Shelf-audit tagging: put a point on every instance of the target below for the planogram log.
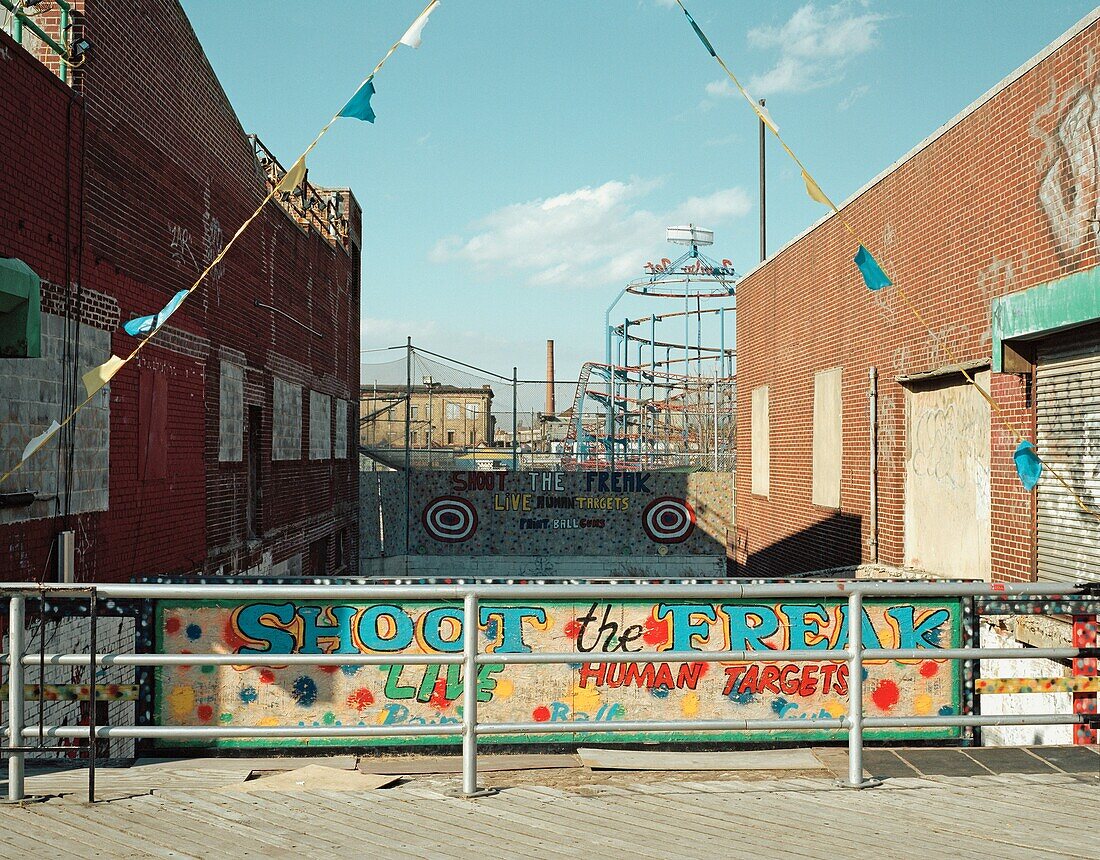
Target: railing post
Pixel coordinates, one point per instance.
(1085, 636)
(855, 695)
(16, 616)
(469, 699)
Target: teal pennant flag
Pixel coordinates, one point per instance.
(873, 276)
(700, 34)
(1028, 466)
(144, 325)
(358, 106)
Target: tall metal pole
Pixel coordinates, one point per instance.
(763, 197)
(428, 382)
(652, 381)
(872, 501)
(16, 611)
(408, 445)
(716, 412)
(626, 388)
(515, 426)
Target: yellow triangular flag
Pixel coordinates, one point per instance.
(293, 177)
(40, 440)
(815, 192)
(97, 377)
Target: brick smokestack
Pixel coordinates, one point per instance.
(550, 410)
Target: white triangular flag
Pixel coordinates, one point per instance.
(762, 112)
(97, 377)
(40, 440)
(412, 35)
(293, 177)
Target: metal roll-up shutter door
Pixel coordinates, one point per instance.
(1067, 389)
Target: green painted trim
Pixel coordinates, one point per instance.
(1069, 301)
(20, 310)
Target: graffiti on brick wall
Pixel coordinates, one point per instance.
(556, 513)
(589, 691)
(1069, 187)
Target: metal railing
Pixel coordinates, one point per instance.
(307, 204)
(22, 20)
(471, 657)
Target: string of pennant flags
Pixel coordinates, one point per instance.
(147, 327)
(1029, 463)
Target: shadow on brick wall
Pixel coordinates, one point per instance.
(832, 542)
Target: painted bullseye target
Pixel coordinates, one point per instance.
(450, 519)
(668, 520)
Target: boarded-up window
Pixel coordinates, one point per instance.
(947, 498)
(153, 423)
(828, 438)
(320, 426)
(761, 442)
(340, 437)
(286, 421)
(231, 413)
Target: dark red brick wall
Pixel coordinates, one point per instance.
(168, 176)
(956, 225)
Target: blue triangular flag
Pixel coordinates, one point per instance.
(699, 33)
(358, 106)
(873, 276)
(144, 325)
(1028, 466)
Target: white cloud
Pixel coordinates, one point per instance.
(588, 236)
(855, 95)
(814, 46)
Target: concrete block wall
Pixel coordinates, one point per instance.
(320, 424)
(984, 207)
(31, 389)
(231, 413)
(73, 636)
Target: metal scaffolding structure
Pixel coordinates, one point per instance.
(665, 395)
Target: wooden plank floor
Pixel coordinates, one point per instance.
(1003, 815)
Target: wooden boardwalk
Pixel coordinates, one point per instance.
(183, 814)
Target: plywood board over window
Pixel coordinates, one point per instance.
(761, 442)
(828, 437)
(947, 498)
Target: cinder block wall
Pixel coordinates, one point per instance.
(73, 636)
(957, 223)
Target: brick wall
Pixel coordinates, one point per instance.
(986, 207)
(123, 191)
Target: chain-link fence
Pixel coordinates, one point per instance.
(428, 411)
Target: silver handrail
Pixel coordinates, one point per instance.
(468, 727)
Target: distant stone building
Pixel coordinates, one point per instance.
(440, 416)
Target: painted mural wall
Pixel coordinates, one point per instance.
(546, 513)
(589, 691)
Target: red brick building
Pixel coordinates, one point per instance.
(990, 226)
(228, 444)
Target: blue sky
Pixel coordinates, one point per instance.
(528, 156)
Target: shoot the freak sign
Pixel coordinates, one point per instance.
(588, 693)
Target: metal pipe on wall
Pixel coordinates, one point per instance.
(872, 500)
